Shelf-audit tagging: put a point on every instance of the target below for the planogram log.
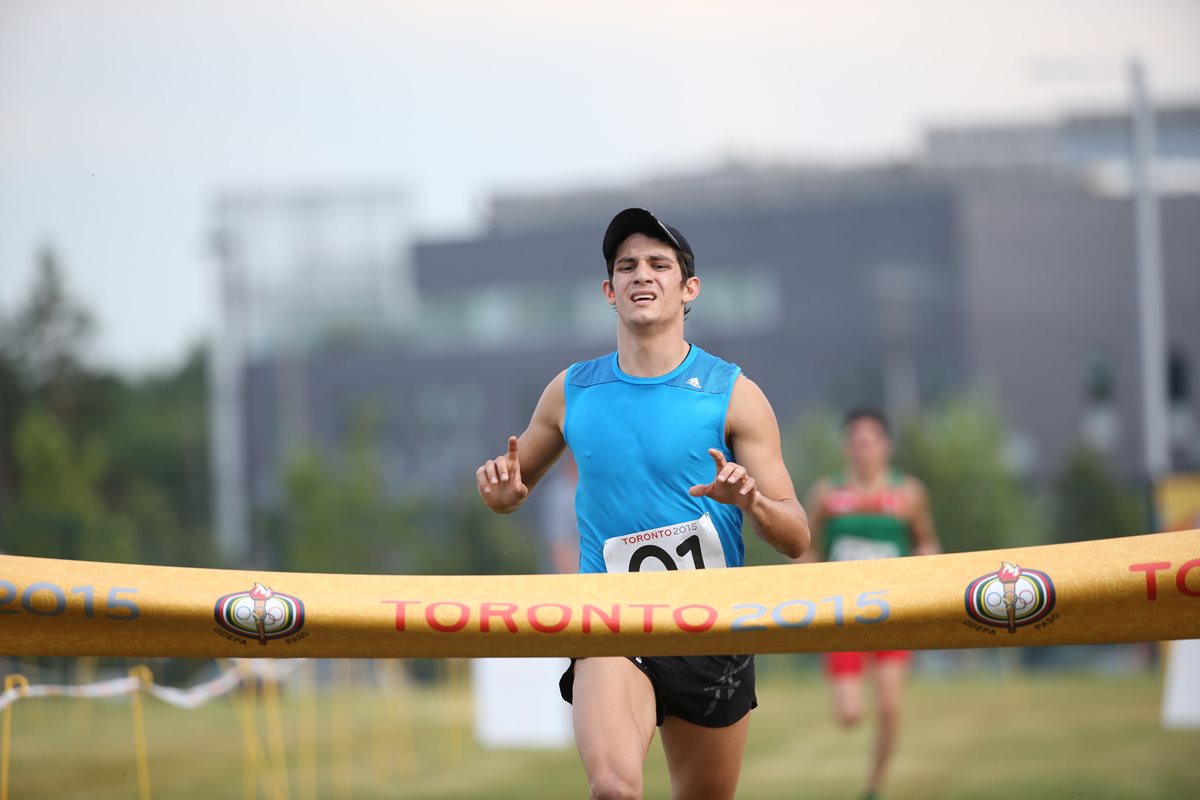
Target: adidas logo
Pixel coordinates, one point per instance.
(693, 382)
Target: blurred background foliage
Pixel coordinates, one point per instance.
(102, 466)
(977, 501)
(95, 465)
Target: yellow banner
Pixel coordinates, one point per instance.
(1141, 588)
(1178, 501)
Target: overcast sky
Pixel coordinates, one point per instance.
(122, 121)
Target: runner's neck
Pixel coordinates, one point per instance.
(868, 481)
(650, 357)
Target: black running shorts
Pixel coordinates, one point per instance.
(713, 691)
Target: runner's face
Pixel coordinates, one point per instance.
(868, 447)
(647, 283)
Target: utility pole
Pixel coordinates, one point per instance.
(226, 365)
(1151, 323)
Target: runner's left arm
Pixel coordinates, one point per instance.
(758, 481)
(924, 537)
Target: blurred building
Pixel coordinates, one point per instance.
(1001, 260)
(299, 272)
(1093, 148)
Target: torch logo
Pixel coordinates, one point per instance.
(261, 612)
(1010, 597)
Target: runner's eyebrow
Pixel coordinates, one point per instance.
(651, 257)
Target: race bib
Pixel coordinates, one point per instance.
(687, 545)
(852, 548)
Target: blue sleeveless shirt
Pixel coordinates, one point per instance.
(640, 444)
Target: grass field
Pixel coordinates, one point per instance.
(1007, 737)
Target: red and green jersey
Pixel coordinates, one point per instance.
(866, 525)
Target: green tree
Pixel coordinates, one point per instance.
(58, 510)
(812, 448)
(338, 516)
(12, 403)
(40, 345)
(977, 501)
(49, 335)
(469, 539)
(155, 432)
(1089, 501)
(87, 454)
(319, 534)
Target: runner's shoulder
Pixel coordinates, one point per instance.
(821, 489)
(913, 487)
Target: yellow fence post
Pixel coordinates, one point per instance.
(81, 712)
(404, 714)
(343, 737)
(460, 693)
(37, 711)
(275, 730)
(307, 749)
(253, 752)
(10, 682)
(381, 771)
(145, 680)
(249, 718)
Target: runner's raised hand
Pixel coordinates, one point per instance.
(499, 480)
(732, 484)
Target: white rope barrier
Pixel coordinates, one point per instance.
(189, 698)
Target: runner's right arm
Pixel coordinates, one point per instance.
(506, 480)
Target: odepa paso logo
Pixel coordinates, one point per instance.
(1011, 597)
(260, 613)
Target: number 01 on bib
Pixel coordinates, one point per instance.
(685, 545)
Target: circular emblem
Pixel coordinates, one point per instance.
(260, 613)
(1010, 597)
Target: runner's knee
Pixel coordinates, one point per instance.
(848, 717)
(889, 712)
(889, 706)
(609, 785)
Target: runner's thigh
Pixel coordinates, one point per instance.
(613, 714)
(704, 762)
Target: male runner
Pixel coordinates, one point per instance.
(665, 436)
(870, 511)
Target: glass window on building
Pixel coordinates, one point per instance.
(1100, 424)
(1183, 425)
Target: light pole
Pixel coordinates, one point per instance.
(1151, 322)
(1181, 698)
(226, 428)
(1152, 356)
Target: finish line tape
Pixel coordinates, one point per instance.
(1139, 588)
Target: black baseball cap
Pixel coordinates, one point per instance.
(639, 220)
